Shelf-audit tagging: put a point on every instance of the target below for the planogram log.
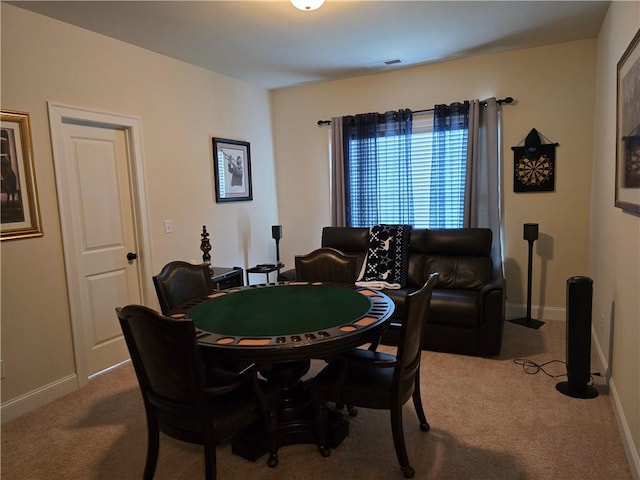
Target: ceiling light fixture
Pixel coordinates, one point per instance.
(307, 5)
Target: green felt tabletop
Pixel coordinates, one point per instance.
(280, 310)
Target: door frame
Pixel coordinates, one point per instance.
(58, 115)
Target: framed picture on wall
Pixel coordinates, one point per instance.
(20, 211)
(232, 170)
(628, 129)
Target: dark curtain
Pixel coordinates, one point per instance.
(450, 126)
(483, 195)
(377, 168)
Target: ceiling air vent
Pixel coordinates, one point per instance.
(395, 62)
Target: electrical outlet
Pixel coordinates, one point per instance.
(602, 322)
(168, 227)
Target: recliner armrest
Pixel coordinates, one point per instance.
(494, 284)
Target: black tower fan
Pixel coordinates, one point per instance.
(579, 296)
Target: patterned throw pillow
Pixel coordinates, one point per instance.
(387, 262)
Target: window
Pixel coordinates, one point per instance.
(392, 181)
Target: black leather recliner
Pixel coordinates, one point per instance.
(468, 304)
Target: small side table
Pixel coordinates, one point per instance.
(226, 277)
(264, 269)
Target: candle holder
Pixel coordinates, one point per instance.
(205, 246)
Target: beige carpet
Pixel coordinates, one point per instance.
(489, 420)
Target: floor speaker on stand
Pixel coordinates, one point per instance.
(530, 234)
(276, 233)
(579, 297)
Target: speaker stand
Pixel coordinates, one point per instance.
(528, 321)
(278, 262)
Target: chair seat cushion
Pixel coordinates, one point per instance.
(228, 411)
(363, 382)
(366, 355)
(454, 307)
(458, 308)
(239, 407)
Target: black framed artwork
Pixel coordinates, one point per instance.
(232, 170)
(627, 195)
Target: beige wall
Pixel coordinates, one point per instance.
(614, 257)
(553, 87)
(180, 107)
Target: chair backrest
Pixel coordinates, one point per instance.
(326, 265)
(165, 357)
(409, 350)
(461, 256)
(179, 282)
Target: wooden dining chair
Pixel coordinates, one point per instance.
(179, 282)
(183, 399)
(322, 265)
(326, 265)
(371, 379)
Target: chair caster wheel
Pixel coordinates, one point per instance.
(272, 462)
(353, 412)
(324, 451)
(408, 472)
(425, 427)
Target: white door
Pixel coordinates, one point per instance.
(102, 249)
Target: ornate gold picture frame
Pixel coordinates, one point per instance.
(20, 211)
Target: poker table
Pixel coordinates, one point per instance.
(281, 327)
(292, 321)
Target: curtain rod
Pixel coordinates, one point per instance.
(506, 100)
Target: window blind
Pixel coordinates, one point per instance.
(427, 193)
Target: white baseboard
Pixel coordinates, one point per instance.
(514, 310)
(623, 425)
(38, 397)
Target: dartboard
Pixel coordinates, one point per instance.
(534, 171)
(534, 168)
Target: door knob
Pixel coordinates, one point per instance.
(131, 256)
